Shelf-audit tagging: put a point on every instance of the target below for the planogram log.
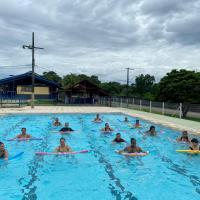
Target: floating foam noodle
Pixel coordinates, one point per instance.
(23, 139)
(59, 153)
(14, 157)
(133, 154)
(188, 151)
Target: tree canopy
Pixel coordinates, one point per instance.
(180, 86)
(52, 76)
(177, 86)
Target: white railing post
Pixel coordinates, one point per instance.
(140, 104)
(163, 108)
(180, 110)
(121, 102)
(150, 106)
(127, 102)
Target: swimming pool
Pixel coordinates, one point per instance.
(100, 174)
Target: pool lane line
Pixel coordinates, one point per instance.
(180, 170)
(109, 170)
(35, 163)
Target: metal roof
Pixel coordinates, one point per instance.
(25, 75)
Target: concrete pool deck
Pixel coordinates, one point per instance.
(174, 123)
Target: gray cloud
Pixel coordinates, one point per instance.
(101, 37)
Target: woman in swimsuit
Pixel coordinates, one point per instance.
(107, 128)
(3, 152)
(63, 147)
(151, 131)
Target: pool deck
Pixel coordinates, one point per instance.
(174, 123)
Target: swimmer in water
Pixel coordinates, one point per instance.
(184, 137)
(3, 152)
(107, 128)
(97, 119)
(133, 148)
(63, 147)
(151, 131)
(23, 134)
(194, 145)
(126, 119)
(137, 124)
(118, 139)
(66, 128)
(56, 122)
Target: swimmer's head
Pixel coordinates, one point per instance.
(66, 124)
(57, 120)
(184, 133)
(137, 121)
(118, 135)
(62, 141)
(97, 115)
(133, 142)
(195, 141)
(23, 130)
(152, 129)
(106, 125)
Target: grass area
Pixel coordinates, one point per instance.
(169, 115)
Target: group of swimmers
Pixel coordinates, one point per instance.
(132, 148)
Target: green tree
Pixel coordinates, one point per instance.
(69, 80)
(113, 88)
(52, 76)
(181, 86)
(144, 84)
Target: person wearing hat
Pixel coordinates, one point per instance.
(194, 144)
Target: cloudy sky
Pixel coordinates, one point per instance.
(100, 37)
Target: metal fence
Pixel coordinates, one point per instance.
(164, 108)
(6, 102)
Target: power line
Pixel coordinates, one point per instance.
(15, 66)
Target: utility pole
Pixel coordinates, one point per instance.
(127, 85)
(32, 47)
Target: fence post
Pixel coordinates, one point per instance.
(180, 110)
(150, 106)
(120, 101)
(133, 101)
(163, 108)
(127, 102)
(140, 104)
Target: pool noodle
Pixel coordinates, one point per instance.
(59, 153)
(188, 151)
(133, 154)
(23, 139)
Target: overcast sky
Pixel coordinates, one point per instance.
(100, 37)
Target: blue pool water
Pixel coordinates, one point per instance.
(100, 174)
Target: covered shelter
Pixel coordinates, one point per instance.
(21, 86)
(82, 92)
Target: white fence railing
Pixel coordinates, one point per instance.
(164, 108)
